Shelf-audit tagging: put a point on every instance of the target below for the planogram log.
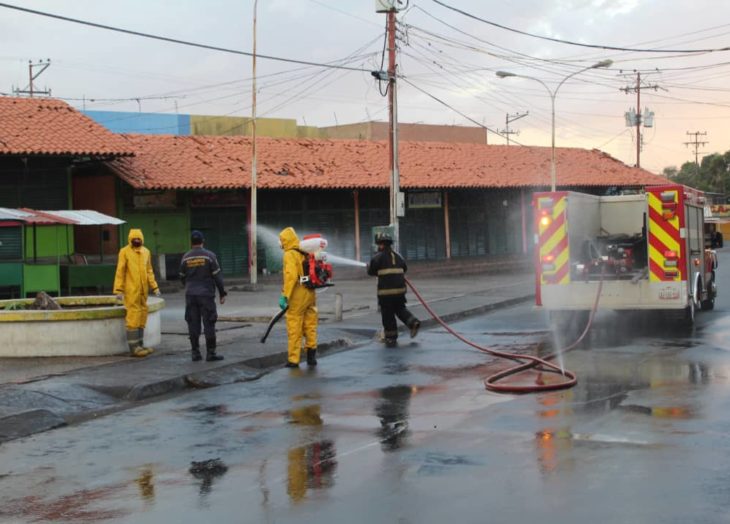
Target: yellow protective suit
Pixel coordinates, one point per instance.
(134, 279)
(301, 317)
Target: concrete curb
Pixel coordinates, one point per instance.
(229, 373)
(156, 388)
(28, 423)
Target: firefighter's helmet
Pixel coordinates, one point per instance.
(383, 237)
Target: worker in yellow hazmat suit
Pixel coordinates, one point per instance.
(133, 281)
(301, 317)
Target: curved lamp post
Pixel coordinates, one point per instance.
(553, 94)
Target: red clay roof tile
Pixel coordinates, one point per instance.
(46, 126)
(218, 162)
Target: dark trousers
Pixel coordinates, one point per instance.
(199, 308)
(391, 307)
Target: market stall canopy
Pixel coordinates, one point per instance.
(15, 214)
(84, 217)
(67, 217)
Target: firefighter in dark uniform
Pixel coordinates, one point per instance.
(201, 275)
(390, 268)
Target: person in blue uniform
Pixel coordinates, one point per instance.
(200, 273)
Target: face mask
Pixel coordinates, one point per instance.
(136, 242)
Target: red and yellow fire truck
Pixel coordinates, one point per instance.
(647, 250)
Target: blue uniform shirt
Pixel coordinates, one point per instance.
(201, 273)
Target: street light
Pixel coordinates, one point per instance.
(553, 94)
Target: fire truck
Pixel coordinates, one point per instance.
(647, 251)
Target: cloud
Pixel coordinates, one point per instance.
(599, 8)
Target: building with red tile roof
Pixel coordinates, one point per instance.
(46, 126)
(221, 162)
(462, 199)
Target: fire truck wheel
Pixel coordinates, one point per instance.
(708, 305)
(689, 314)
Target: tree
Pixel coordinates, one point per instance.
(712, 176)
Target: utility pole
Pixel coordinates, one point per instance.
(511, 118)
(393, 133)
(252, 245)
(32, 75)
(696, 143)
(390, 7)
(638, 120)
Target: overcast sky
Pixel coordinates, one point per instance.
(441, 52)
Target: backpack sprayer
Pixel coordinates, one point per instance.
(316, 271)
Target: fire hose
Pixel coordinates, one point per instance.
(525, 362)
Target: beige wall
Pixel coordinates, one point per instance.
(235, 125)
(409, 132)
(288, 128)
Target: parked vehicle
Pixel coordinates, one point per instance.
(647, 249)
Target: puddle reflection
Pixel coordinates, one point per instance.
(207, 471)
(392, 408)
(554, 449)
(313, 465)
(146, 483)
(669, 412)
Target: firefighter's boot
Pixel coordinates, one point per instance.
(210, 350)
(311, 357)
(415, 325)
(195, 349)
(147, 351)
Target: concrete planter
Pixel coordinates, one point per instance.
(93, 327)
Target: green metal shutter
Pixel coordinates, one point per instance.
(11, 243)
(225, 235)
(422, 235)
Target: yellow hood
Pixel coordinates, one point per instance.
(289, 239)
(135, 233)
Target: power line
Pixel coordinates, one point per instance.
(454, 28)
(343, 12)
(579, 44)
(174, 40)
(446, 104)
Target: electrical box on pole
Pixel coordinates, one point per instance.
(648, 118)
(385, 6)
(630, 117)
(400, 204)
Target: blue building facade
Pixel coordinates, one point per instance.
(143, 123)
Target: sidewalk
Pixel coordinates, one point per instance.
(43, 393)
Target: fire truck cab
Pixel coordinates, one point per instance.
(648, 250)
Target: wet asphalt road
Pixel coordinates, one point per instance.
(409, 435)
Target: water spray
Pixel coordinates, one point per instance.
(525, 362)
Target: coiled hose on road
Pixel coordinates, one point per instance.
(525, 362)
